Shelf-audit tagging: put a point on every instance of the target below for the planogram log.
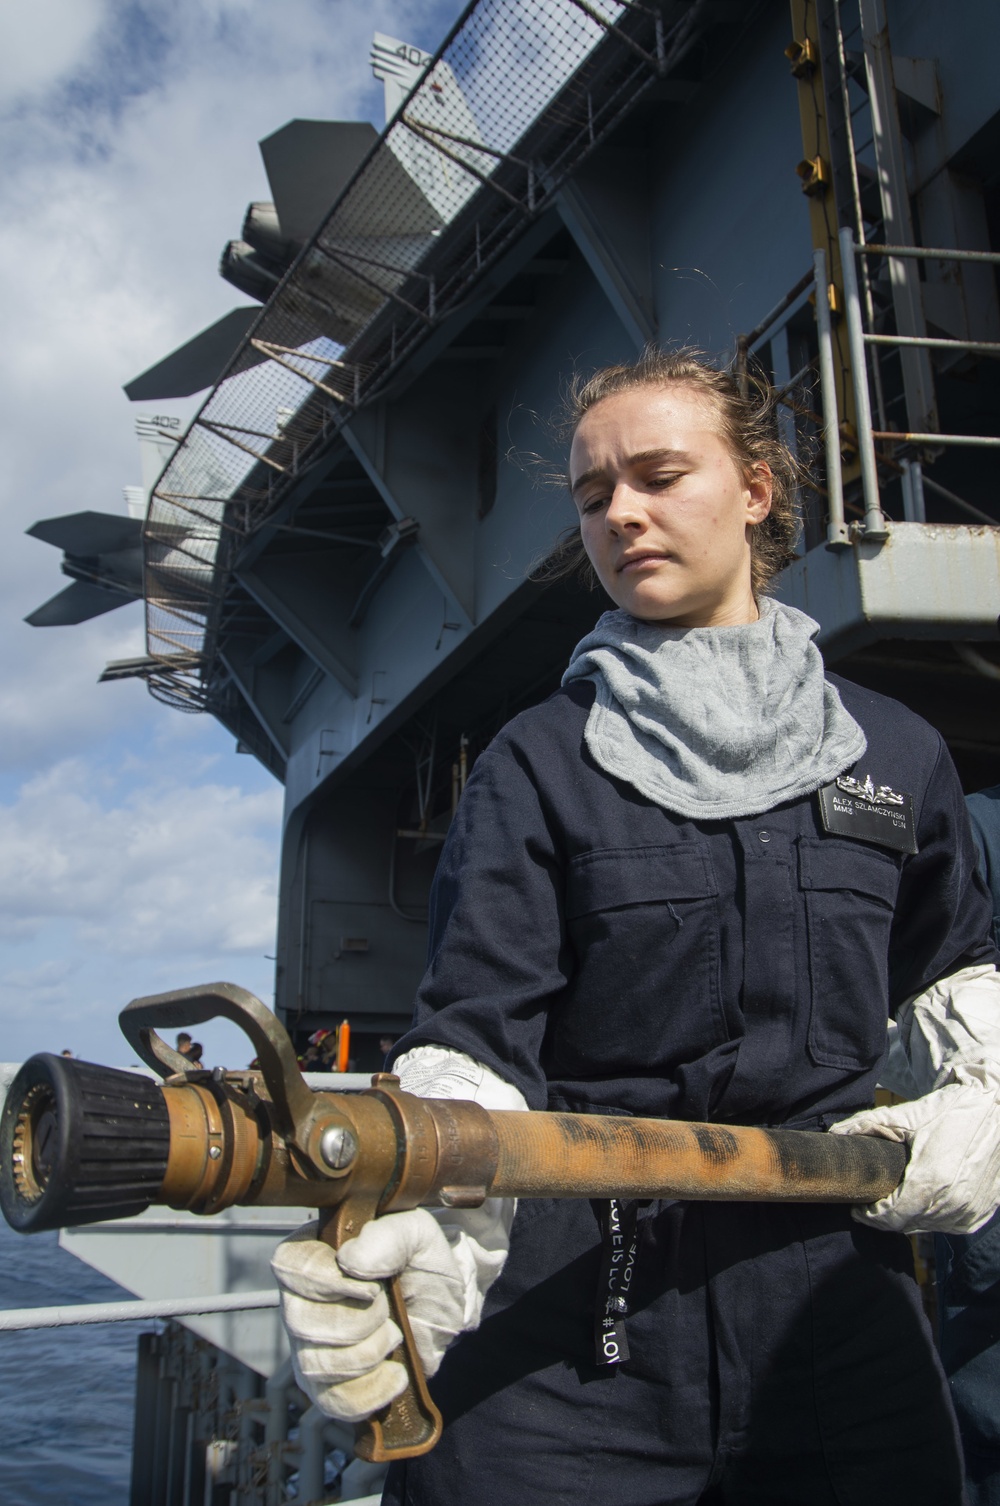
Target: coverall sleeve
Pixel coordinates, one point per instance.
(498, 953)
(984, 815)
(943, 919)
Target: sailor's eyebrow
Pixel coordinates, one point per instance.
(641, 457)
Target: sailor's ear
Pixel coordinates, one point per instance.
(760, 488)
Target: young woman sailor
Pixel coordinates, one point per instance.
(695, 883)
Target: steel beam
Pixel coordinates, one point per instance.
(421, 454)
(319, 478)
(252, 684)
(604, 208)
(313, 617)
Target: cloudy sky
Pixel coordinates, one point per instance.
(137, 851)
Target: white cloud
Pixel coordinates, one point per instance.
(50, 702)
(174, 866)
(44, 979)
(41, 41)
(129, 881)
(137, 853)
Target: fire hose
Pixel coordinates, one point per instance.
(81, 1143)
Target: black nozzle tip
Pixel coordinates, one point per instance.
(79, 1144)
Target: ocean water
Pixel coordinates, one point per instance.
(66, 1394)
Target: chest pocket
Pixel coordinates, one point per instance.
(617, 877)
(850, 893)
(643, 925)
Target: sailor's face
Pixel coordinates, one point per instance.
(665, 512)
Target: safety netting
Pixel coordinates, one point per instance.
(509, 106)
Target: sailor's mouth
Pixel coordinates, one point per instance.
(638, 562)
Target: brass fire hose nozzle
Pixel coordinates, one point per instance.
(80, 1143)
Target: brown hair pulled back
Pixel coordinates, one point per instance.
(747, 426)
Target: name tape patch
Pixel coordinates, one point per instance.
(868, 811)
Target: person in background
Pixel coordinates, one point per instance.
(193, 1054)
(315, 1058)
(385, 1044)
(184, 1043)
(968, 1265)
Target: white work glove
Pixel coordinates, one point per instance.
(334, 1306)
(337, 1313)
(950, 1035)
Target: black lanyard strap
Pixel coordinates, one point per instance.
(618, 1234)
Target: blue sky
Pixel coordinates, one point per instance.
(138, 852)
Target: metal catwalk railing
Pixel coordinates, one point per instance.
(207, 1428)
(868, 265)
(861, 340)
(830, 420)
(511, 104)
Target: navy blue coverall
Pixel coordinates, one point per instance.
(607, 956)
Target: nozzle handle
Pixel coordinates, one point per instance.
(292, 1098)
(411, 1425)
